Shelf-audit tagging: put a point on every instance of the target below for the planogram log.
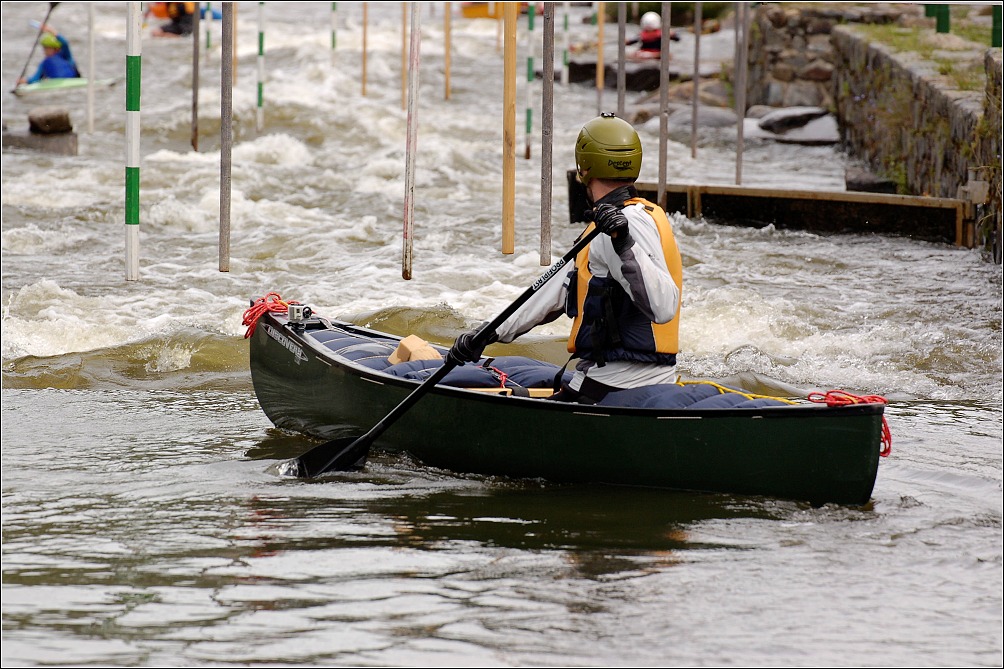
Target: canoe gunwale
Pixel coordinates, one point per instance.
(809, 410)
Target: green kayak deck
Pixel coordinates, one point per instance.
(55, 85)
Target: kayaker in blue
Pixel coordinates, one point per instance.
(58, 62)
(623, 294)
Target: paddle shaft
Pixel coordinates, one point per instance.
(41, 29)
(347, 456)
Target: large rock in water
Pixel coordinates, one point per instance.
(679, 123)
(49, 121)
(49, 130)
(782, 120)
(817, 132)
(707, 117)
(862, 180)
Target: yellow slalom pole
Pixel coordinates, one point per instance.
(509, 130)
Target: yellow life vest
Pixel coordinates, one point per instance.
(665, 335)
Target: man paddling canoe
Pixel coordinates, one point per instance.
(623, 293)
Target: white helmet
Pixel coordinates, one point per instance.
(651, 21)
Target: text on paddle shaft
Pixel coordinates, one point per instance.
(548, 274)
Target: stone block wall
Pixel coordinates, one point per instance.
(912, 124)
(791, 57)
(895, 110)
(987, 150)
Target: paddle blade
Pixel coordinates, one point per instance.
(345, 454)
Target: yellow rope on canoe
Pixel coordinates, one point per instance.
(723, 389)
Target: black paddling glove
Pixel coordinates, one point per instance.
(611, 221)
(470, 345)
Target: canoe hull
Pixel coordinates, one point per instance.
(813, 453)
(56, 85)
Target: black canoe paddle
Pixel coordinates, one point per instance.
(351, 452)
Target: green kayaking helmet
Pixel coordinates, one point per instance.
(50, 41)
(607, 148)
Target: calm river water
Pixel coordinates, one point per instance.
(142, 524)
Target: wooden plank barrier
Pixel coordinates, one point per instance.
(935, 219)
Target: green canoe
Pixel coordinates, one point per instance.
(54, 85)
(333, 380)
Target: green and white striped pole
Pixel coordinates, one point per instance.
(260, 116)
(531, 46)
(91, 76)
(334, 30)
(565, 59)
(134, 46)
(209, 29)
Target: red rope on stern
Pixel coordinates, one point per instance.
(271, 302)
(834, 398)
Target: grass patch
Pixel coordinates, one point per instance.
(964, 75)
(977, 33)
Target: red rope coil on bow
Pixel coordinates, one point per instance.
(834, 398)
(271, 302)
